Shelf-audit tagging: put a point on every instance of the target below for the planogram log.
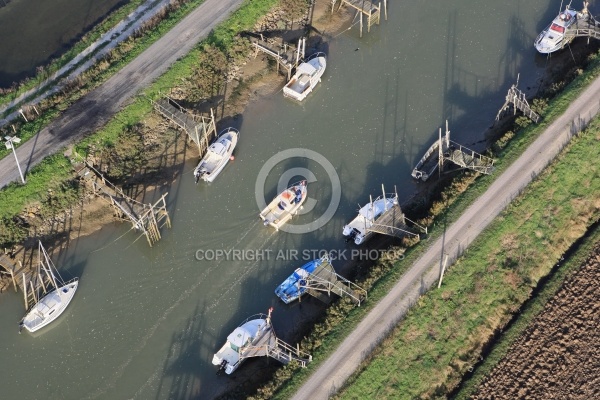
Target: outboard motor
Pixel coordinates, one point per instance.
(222, 366)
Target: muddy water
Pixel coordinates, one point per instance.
(146, 321)
(34, 32)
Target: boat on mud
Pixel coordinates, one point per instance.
(241, 342)
(359, 228)
(285, 205)
(295, 285)
(217, 156)
(307, 76)
(57, 296)
(554, 37)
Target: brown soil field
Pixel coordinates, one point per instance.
(558, 356)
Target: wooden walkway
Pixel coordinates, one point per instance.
(271, 346)
(200, 132)
(324, 279)
(392, 223)
(587, 27)
(371, 10)
(147, 218)
(286, 56)
(444, 150)
(517, 99)
(28, 279)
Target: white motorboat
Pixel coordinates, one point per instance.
(217, 156)
(555, 37)
(306, 77)
(241, 341)
(56, 299)
(285, 205)
(358, 228)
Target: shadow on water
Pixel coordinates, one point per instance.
(179, 376)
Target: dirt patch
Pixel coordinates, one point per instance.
(558, 356)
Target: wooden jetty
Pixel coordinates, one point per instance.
(146, 218)
(392, 222)
(585, 26)
(368, 9)
(271, 346)
(444, 150)
(28, 279)
(286, 56)
(200, 130)
(324, 279)
(517, 99)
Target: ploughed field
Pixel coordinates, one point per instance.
(558, 356)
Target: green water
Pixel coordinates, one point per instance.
(145, 322)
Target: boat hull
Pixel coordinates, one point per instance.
(50, 307)
(293, 287)
(207, 169)
(553, 37)
(358, 229)
(284, 206)
(306, 78)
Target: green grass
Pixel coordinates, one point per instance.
(442, 337)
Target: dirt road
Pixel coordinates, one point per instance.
(334, 371)
(95, 109)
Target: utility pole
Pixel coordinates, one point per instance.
(9, 145)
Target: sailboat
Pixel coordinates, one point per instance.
(56, 299)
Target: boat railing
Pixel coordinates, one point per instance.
(315, 55)
(255, 316)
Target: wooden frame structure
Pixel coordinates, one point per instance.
(367, 8)
(287, 57)
(201, 132)
(519, 102)
(324, 279)
(147, 218)
(443, 150)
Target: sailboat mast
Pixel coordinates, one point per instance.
(48, 269)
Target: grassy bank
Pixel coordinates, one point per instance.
(115, 60)
(54, 171)
(442, 337)
(529, 312)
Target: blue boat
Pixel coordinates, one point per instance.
(294, 286)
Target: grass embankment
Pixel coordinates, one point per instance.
(54, 172)
(442, 337)
(44, 72)
(114, 61)
(530, 312)
(453, 199)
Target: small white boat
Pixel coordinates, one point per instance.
(284, 206)
(554, 37)
(241, 341)
(217, 156)
(54, 302)
(307, 75)
(358, 228)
